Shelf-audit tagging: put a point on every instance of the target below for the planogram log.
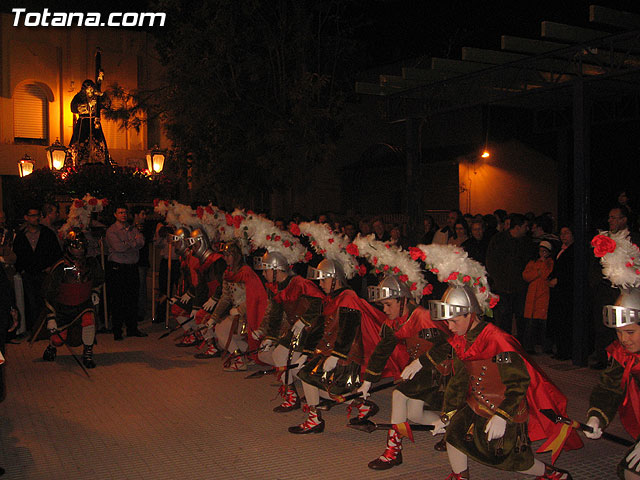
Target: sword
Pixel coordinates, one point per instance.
(369, 427)
(250, 352)
(329, 404)
(76, 359)
(261, 373)
(177, 327)
(557, 418)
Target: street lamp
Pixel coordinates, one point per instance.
(56, 155)
(26, 166)
(155, 160)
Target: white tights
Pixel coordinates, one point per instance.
(404, 408)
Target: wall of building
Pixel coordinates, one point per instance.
(59, 60)
(515, 178)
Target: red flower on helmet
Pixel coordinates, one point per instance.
(268, 237)
(602, 245)
(294, 229)
(93, 201)
(494, 301)
(156, 202)
(388, 245)
(362, 270)
(428, 290)
(237, 220)
(78, 203)
(286, 243)
(483, 289)
(434, 270)
(417, 254)
(308, 256)
(453, 276)
(209, 210)
(200, 212)
(629, 264)
(331, 240)
(352, 249)
(375, 260)
(229, 219)
(385, 268)
(396, 270)
(414, 286)
(403, 278)
(466, 278)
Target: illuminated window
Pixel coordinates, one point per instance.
(30, 114)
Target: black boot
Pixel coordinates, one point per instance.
(87, 357)
(49, 354)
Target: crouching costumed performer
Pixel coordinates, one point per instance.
(492, 403)
(71, 292)
(408, 327)
(350, 332)
(294, 314)
(618, 387)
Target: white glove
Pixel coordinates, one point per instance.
(633, 459)
(330, 363)
(173, 300)
(256, 335)
(193, 313)
(495, 427)
(410, 370)
(52, 326)
(438, 427)
(209, 304)
(266, 345)
(593, 422)
(210, 322)
(297, 328)
(95, 299)
(234, 312)
(185, 298)
(364, 389)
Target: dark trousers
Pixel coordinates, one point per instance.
(122, 293)
(33, 299)
(163, 274)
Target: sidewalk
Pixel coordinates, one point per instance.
(152, 411)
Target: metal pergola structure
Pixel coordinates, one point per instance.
(572, 78)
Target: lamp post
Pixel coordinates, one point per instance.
(26, 166)
(56, 155)
(155, 160)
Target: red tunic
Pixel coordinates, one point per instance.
(629, 410)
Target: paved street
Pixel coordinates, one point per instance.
(152, 411)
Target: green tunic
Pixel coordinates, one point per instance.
(466, 432)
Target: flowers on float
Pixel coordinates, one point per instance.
(619, 257)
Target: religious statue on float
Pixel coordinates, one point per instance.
(88, 144)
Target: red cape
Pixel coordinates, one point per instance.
(298, 286)
(542, 393)
(202, 268)
(370, 324)
(256, 298)
(629, 410)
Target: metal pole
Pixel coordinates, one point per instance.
(107, 323)
(166, 318)
(153, 282)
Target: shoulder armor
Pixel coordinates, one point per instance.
(504, 357)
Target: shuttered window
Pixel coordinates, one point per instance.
(30, 114)
(113, 134)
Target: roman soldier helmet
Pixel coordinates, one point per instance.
(389, 287)
(75, 243)
(468, 290)
(199, 244)
(180, 239)
(271, 261)
(457, 300)
(621, 266)
(327, 268)
(625, 311)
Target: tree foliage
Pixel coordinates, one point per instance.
(253, 90)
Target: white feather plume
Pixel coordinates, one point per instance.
(330, 245)
(452, 264)
(263, 233)
(392, 260)
(80, 213)
(622, 266)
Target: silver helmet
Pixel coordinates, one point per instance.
(75, 244)
(457, 300)
(199, 244)
(326, 269)
(271, 261)
(389, 287)
(625, 311)
(181, 240)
